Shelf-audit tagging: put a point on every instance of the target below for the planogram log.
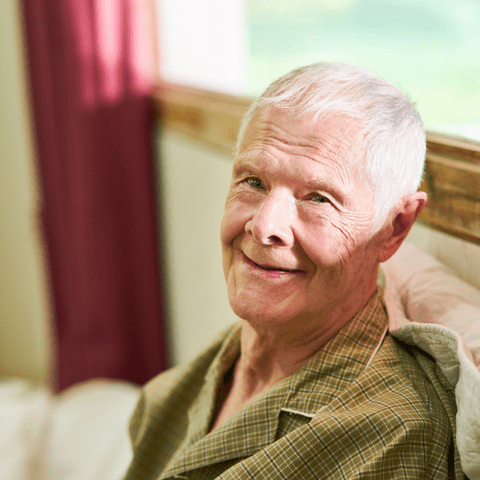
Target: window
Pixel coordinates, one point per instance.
(203, 43)
(428, 47)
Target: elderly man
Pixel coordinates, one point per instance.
(309, 384)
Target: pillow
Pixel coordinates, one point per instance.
(88, 436)
(23, 416)
(431, 293)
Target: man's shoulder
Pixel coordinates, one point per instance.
(412, 374)
(391, 411)
(160, 413)
(402, 389)
(420, 369)
(407, 390)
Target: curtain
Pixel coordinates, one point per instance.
(92, 69)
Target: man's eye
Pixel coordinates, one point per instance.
(255, 182)
(317, 198)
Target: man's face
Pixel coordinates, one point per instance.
(296, 232)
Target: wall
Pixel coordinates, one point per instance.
(24, 340)
(194, 182)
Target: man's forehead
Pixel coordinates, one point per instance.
(304, 123)
(338, 132)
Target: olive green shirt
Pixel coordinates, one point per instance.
(365, 406)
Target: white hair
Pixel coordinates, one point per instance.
(394, 133)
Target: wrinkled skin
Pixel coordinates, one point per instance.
(297, 230)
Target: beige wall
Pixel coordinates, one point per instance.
(194, 183)
(24, 349)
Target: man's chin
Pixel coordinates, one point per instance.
(264, 312)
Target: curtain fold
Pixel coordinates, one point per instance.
(92, 69)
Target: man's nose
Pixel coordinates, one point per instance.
(271, 223)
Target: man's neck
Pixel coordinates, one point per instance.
(270, 354)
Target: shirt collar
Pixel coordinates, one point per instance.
(304, 393)
(202, 410)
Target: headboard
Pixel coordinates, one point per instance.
(452, 171)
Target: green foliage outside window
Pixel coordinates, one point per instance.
(431, 48)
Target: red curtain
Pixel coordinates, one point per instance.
(92, 65)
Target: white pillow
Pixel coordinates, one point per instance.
(88, 432)
(23, 416)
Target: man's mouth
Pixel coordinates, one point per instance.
(270, 267)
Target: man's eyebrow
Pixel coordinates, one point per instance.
(243, 163)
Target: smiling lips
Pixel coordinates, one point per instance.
(270, 268)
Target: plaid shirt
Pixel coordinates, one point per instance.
(343, 415)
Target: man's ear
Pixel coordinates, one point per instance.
(404, 217)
